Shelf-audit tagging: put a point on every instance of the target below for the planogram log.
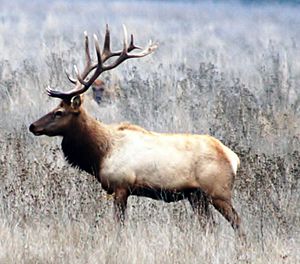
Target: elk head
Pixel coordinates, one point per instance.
(64, 118)
(60, 120)
(98, 88)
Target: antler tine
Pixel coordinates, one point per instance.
(87, 48)
(106, 46)
(131, 45)
(88, 66)
(98, 52)
(107, 53)
(57, 94)
(87, 56)
(79, 78)
(71, 79)
(125, 44)
(98, 71)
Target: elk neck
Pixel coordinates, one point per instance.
(86, 143)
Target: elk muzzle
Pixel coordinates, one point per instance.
(44, 126)
(34, 129)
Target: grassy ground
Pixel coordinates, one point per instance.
(225, 69)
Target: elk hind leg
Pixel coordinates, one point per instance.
(120, 204)
(200, 205)
(226, 209)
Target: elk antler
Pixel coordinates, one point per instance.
(81, 84)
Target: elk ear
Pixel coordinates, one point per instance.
(76, 102)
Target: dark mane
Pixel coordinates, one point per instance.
(86, 146)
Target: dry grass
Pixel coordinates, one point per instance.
(228, 70)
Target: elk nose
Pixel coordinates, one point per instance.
(31, 128)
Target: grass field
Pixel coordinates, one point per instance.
(229, 70)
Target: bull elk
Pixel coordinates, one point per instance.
(130, 160)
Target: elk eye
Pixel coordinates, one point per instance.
(58, 113)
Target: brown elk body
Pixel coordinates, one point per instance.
(129, 160)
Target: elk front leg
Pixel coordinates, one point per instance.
(120, 204)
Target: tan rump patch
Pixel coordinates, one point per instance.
(226, 154)
(219, 148)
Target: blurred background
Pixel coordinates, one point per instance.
(226, 68)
